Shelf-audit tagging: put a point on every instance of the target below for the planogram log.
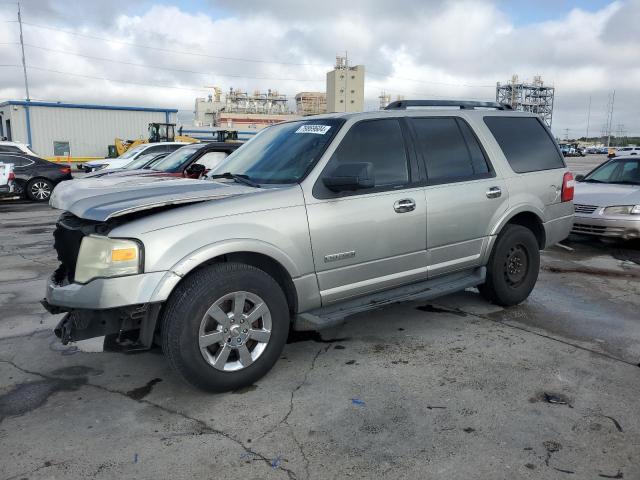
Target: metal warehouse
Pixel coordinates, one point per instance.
(76, 131)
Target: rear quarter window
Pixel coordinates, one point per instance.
(526, 143)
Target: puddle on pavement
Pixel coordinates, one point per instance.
(76, 371)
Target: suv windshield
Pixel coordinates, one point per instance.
(175, 160)
(282, 153)
(616, 171)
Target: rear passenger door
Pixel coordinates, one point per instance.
(464, 195)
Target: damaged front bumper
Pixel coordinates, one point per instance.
(121, 307)
(132, 327)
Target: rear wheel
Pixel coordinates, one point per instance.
(225, 326)
(39, 189)
(513, 267)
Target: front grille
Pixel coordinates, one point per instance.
(67, 237)
(582, 228)
(597, 230)
(588, 209)
(67, 242)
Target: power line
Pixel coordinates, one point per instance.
(31, 67)
(377, 74)
(168, 50)
(124, 62)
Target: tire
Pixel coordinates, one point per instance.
(203, 308)
(39, 190)
(513, 267)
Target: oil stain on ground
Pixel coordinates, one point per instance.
(311, 336)
(31, 395)
(141, 392)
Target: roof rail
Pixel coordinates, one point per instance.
(462, 104)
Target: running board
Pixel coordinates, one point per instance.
(335, 314)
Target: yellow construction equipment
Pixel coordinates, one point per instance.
(158, 132)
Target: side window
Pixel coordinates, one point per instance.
(450, 149)
(212, 159)
(18, 162)
(526, 143)
(380, 143)
(9, 149)
(156, 149)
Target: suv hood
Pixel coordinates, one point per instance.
(606, 194)
(103, 198)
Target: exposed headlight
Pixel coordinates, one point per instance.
(107, 257)
(622, 210)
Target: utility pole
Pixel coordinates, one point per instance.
(588, 118)
(610, 113)
(24, 64)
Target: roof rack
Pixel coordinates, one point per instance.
(463, 105)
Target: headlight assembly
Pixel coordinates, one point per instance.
(107, 257)
(622, 210)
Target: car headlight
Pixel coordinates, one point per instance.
(107, 257)
(623, 210)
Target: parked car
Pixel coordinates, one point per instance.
(607, 200)
(130, 155)
(15, 147)
(311, 221)
(141, 164)
(7, 178)
(194, 160)
(35, 177)
(623, 151)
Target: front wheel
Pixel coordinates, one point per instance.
(513, 267)
(225, 326)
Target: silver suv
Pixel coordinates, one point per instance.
(310, 222)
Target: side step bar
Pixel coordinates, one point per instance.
(335, 314)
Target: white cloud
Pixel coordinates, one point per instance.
(455, 49)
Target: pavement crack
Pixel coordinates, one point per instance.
(203, 426)
(31, 472)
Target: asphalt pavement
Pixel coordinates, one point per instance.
(453, 388)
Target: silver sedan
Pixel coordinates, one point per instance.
(607, 200)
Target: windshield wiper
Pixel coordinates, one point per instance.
(236, 177)
(591, 180)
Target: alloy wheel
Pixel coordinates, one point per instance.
(40, 190)
(235, 331)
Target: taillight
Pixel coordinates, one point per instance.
(65, 170)
(12, 176)
(567, 187)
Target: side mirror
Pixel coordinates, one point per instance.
(195, 170)
(579, 178)
(350, 176)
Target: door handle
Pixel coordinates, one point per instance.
(494, 192)
(403, 206)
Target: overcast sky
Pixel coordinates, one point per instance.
(98, 51)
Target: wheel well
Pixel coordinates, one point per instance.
(531, 221)
(266, 264)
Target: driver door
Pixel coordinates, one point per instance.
(372, 239)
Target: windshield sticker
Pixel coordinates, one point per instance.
(317, 129)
